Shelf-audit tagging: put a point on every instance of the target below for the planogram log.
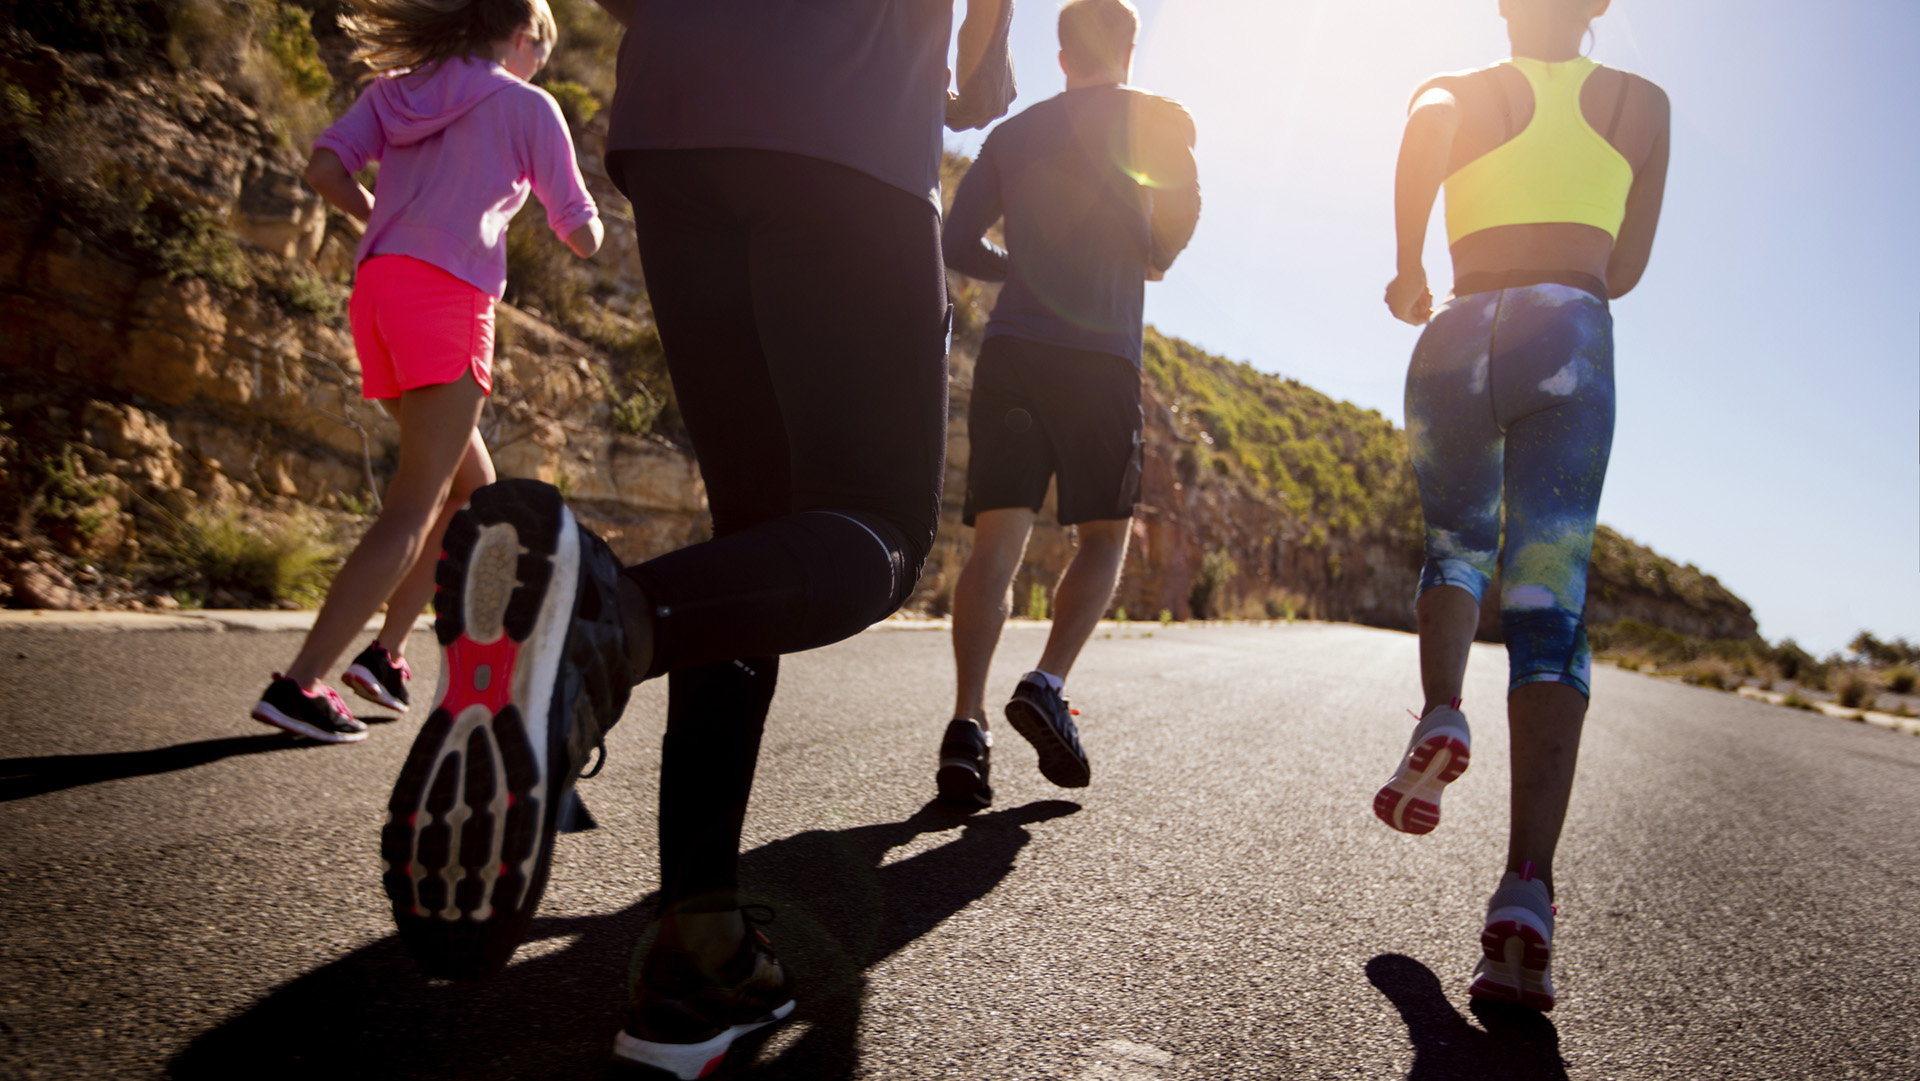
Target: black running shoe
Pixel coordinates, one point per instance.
(1039, 713)
(682, 1025)
(534, 674)
(376, 677)
(320, 715)
(966, 764)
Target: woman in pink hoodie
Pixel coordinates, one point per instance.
(462, 138)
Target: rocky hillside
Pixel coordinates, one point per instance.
(171, 328)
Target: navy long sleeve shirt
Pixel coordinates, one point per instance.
(1096, 186)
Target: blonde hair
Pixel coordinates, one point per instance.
(1096, 34)
(392, 34)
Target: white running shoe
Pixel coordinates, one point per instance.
(1517, 943)
(1436, 756)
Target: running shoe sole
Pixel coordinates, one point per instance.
(1058, 763)
(1515, 964)
(468, 840)
(1410, 802)
(368, 687)
(266, 714)
(687, 1061)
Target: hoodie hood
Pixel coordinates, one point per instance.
(415, 106)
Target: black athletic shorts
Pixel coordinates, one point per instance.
(1038, 410)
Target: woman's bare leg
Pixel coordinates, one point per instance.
(436, 428)
(416, 589)
(1544, 721)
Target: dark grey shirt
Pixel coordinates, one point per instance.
(862, 83)
(1095, 186)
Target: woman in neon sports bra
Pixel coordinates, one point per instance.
(1554, 168)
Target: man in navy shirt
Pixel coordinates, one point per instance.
(1098, 192)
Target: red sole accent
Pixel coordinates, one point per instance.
(466, 655)
(1420, 816)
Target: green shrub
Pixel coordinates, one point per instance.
(83, 25)
(285, 559)
(1713, 674)
(70, 504)
(1282, 606)
(1120, 614)
(1854, 692)
(1037, 601)
(1208, 597)
(1900, 680)
(577, 103)
(289, 41)
(190, 244)
(635, 410)
(1166, 617)
(1796, 702)
(304, 292)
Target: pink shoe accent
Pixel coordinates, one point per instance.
(1425, 767)
(498, 657)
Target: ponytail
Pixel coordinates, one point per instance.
(390, 34)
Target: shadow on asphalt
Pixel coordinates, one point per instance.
(1516, 1044)
(21, 778)
(841, 909)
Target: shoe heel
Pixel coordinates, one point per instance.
(1516, 968)
(1057, 762)
(959, 782)
(1410, 802)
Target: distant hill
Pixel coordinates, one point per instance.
(171, 301)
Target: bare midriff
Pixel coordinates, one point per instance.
(1549, 246)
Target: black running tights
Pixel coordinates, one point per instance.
(803, 309)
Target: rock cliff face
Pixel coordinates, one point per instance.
(166, 387)
(172, 338)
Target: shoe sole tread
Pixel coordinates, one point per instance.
(1410, 801)
(468, 842)
(1058, 762)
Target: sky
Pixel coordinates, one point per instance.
(1768, 365)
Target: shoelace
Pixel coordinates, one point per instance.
(398, 664)
(331, 695)
(339, 704)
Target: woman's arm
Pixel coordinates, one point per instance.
(1424, 151)
(328, 176)
(1634, 245)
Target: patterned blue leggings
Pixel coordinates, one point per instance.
(1510, 400)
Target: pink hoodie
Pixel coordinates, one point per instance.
(459, 149)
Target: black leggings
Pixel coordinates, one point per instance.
(803, 308)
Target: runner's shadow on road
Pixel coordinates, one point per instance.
(842, 908)
(1516, 1044)
(21, 778)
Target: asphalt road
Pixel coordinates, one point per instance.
(185, 893)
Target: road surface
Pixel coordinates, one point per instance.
(185, 893)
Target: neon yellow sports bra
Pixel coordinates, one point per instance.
(1558, 169)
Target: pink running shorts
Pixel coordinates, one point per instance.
(415, 325)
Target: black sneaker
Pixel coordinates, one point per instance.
(320, 715)
(534, 674)
(1039, 713)
(966, 763)
(374, 676)
(682, 1025)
